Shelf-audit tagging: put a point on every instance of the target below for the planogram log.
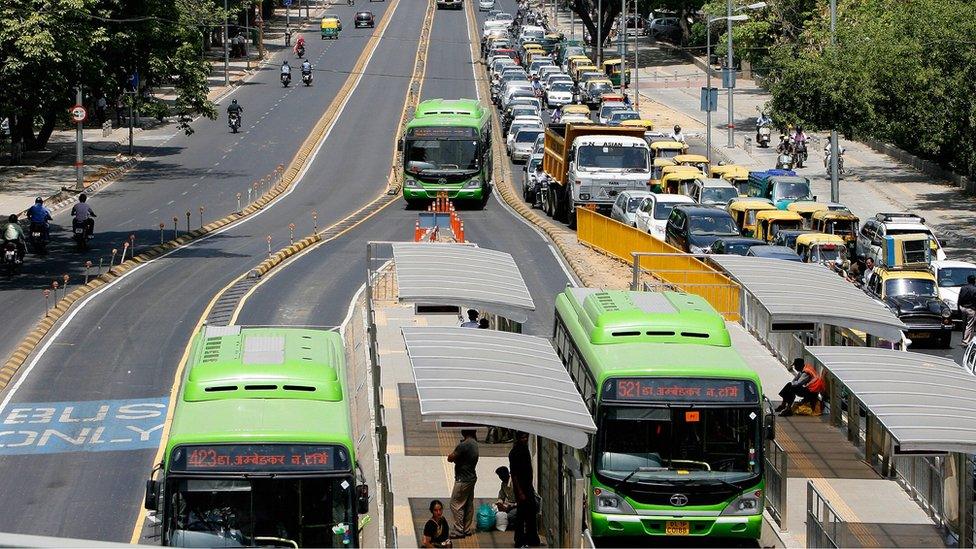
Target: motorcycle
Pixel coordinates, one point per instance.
(800, 153)
(300, 51)
(38, 238)
(307, 78)
(80, 233)
(840, 161)
(763, 134)
(234, 121)
(784, 161)
(285, 79)
(10, 259)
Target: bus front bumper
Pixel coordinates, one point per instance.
(454, 193)
(746, 527)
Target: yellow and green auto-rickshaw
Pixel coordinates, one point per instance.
(581, 68)
(806, 209)
(696, 160)
(613, 69)
(657, 172)
(668, 149)
(679, 181)
(574, 108)
(821, 248)
(575, 60)
(648, 126)
(733, 173)
(769, 222)
(744, 210)
(838, 222)
(330, 27)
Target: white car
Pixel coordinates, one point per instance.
(709, 191)
(485, 5)
(545, 71)
(626, 205)
(873, 231)
(950, 276)
(609, 108)
(559, 94)
(652, 215)
(551, 79)
(514, 130)
(523, 142)
(516, 89)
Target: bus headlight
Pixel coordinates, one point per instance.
(472, 183)
(609, 503)
(748, 503)
(411, 184)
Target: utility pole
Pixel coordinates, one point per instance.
(247, 30)
(731, 73)
(708, 87)
(622, 31)
(636, 65)
(226, 53)
(79, 146)
(599, 33)
(259, 23)
(834, 146)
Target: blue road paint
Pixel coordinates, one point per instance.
(92, 426)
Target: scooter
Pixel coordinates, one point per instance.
(234, 121)
(285, 79)
(763, 134)
(10, 259)
(38, 238)
(80, 234)
(800, 153)
(784, 161)
(300, 51)
(307, 78)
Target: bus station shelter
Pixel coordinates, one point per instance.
(914, 417)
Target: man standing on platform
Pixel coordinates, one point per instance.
(465, 459)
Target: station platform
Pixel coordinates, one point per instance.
(876, 512)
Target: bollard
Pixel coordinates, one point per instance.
(239, 203)
(188, 221)
(269, 245)
(460, 235)
(291, 233)
(64, 290)
(125, 248)
(54, 286)
(47, 302)
(201, 217)
(132, 245)
(417, 233)
(88, 265)
(315, 221)
(99, 273)
(248, 195)
(161, 227)
(176, 230)
(112, 263)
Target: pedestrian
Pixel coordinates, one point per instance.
(868, 270)
(520, 465)
(505, 503)
(465, 459)
(967, 306)
(287, 36)
(484, 324)
(436, 530)
(472, 321)
(807, 383)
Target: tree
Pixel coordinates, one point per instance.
(589, 17)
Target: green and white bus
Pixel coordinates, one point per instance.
(260, 450)
(680, 417)
(447, 148)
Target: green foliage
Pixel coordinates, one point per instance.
(50, 47)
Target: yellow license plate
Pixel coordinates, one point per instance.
(677, 528)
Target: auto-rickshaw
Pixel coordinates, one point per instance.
(550, 42)
(744, 210)
(657, 172)
(581, 68)
(613, 69)
(575, 60)
(648, 126)
(679, 181)
(838, 222)
(611, 98)
(821, 248)
(696, 160)
(734, 174)
(668, 149)
(768, 222)
(575, 109)
(330, 27)
(529, 52)
(806, 209)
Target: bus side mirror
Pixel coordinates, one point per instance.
(151, 502)
(362, 499)
(770, 421)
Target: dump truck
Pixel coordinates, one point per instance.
(588, 166)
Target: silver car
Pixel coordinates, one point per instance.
(524, 141)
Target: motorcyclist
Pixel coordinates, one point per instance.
(286, 68)
(784, 146)
(536, 86)
(557, 115)
(676, 134)
(840, 153)
(13, 232)
(763, 120)
(235, 108)
(306, 67)
(799, 138)
(83, 214)
(39, 217)
(300, 44)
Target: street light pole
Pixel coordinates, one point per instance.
(708, 88)
(834, 146)
(226, 53)
(622, 31)
(731, 73)
(599, 33)
(636, 65)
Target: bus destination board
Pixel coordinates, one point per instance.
(659, 389)
(442, 132)
(289, 458)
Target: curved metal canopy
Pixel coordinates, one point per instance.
(927, 403)
(496, 378)
(433, 273)
(805, 292)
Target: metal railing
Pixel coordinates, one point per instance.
(824, 525)
(777, 473)
(923, 477)
(656, 271)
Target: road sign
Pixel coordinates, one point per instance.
(78, 113)
(287, 3)
(709, 99)
(134, 81)
(728, 78)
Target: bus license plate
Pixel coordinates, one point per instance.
(677, 528)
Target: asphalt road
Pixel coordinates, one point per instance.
(123, 347)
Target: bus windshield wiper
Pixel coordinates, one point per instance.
(639, 469)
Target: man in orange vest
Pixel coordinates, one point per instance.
(806, 384)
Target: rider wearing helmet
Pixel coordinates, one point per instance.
(676, 134)
(286, 68)
(39, 216)
(13, 232)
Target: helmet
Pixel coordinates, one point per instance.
(233, 102)
(677, 128)
(38, 200)
(799, 129)
(286, 62)
(12, 218)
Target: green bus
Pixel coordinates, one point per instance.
(447, 148)
(680, 417)
(260, 450)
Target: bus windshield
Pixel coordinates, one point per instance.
(441, 155)
(679, 443)
(259, 512)
(791, 190)
(612, 157)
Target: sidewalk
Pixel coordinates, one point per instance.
(46, 172)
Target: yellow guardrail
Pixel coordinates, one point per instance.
(672, 267)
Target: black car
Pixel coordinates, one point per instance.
(693, 228)
(735, 245)
(365, 19)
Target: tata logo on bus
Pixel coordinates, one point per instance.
(88, 426)
(679, 500)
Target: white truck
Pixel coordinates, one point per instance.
(588, 166)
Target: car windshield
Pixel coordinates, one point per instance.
(633, 203)
(626, 115)
(524, 111)
(533, 165)
(954, 277)
(841, 227)
(827, 252)
(607, 110)
(527, 136)
(663, 209)
(612, 157)
(561, 86)
(239, 513)
(783, 224)
(910, 286)
(599, 88)
(712, 224)
(791, 190)
(718, 195)
(680, 443)
(439, 155)
(738, 248)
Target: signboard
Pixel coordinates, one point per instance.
(234, 458)
(662, 389)
(78, 113)
(443, 132)
(709, 99)
(728, 78)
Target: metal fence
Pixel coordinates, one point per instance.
(824, 526)
(777, 473)
(924, 478)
